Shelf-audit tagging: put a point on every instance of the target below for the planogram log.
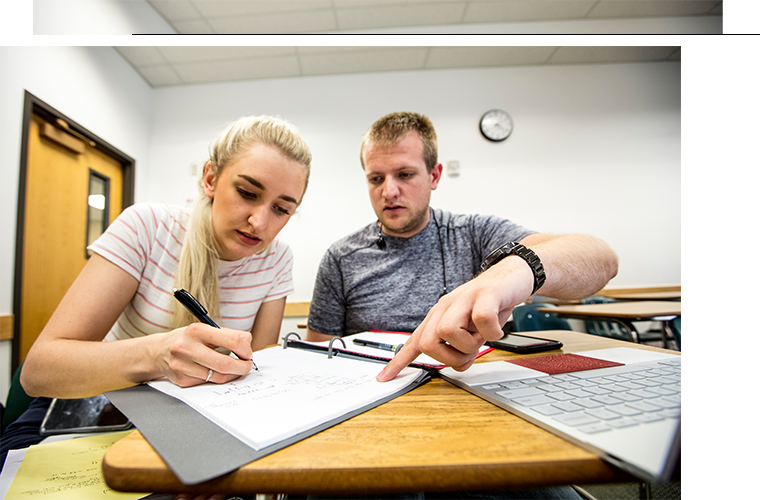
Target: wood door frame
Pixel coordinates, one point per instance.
(34, 105)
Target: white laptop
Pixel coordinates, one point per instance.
(622, 404)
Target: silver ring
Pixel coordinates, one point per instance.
(209, 375)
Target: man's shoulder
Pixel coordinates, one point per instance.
(479, 226)
(456, 220)
(461, 219)
(352, 242)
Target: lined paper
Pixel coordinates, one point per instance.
(293, 391)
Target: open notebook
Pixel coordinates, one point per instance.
(622, 404)
(208, 430)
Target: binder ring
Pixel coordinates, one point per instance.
(286, 337)
(330, 347)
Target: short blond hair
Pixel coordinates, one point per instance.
(393, 127)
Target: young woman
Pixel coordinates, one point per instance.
(119, 323)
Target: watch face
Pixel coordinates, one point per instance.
(496, 125)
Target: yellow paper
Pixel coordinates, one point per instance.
(66, 470)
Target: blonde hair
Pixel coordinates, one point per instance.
(197, 271)
(393, 127)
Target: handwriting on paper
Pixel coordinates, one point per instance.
(293, 390)
(307, 387)
(66, 470)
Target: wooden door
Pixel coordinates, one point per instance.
(56, 211)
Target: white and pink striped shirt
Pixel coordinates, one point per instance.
(146, 241)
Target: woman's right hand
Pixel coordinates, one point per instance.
(186, 355)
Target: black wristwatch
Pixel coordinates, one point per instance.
(514, 248)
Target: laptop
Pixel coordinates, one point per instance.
(622, 404)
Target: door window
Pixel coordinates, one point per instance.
(97, 207)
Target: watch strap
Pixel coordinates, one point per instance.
(514, 248)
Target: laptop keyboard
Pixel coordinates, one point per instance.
(624, 396)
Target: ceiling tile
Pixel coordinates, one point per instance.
(321, 50)
(197, 54)
(389, 59)
(375, 3)
(193, 27)
(175, 10)
(164, 66)
(459, 57)
(295, 22)
(650, 8)
(159, 76)
(526, 10)
(307, 16)
(232, 8)
(418, 14)
(235, 70)
(580, 55)
(142, 56)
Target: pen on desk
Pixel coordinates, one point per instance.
(196, 309)
(376, 345)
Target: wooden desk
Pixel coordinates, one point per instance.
(658, 292)
(435, 438)
(645, 296)
(622, 312)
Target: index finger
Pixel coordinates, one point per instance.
(238, 342)
(221, 342)
(401, 360)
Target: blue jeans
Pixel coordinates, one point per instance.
(25, 431)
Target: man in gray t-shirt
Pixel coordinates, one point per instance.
(367, 282)
(413, 269)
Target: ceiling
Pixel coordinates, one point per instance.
(310, 16)
(171, 66)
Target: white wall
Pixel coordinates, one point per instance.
(93, 86)
(98, 17)
(596, 149)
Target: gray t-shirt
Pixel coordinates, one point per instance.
(361, 286)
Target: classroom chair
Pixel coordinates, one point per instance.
(17, 401)
(613, 329)
(527, 318)
(674, 325)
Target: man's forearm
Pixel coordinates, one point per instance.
(576, 265)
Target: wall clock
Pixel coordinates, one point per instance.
(496, 125)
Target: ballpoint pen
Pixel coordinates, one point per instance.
(376, 345)
(196, 309)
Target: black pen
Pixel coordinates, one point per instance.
(376, 345)
(197, 310)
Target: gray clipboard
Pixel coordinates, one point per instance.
(167, 423)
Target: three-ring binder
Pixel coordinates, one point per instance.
(293, 340)
(286, 338)
(166, 422)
